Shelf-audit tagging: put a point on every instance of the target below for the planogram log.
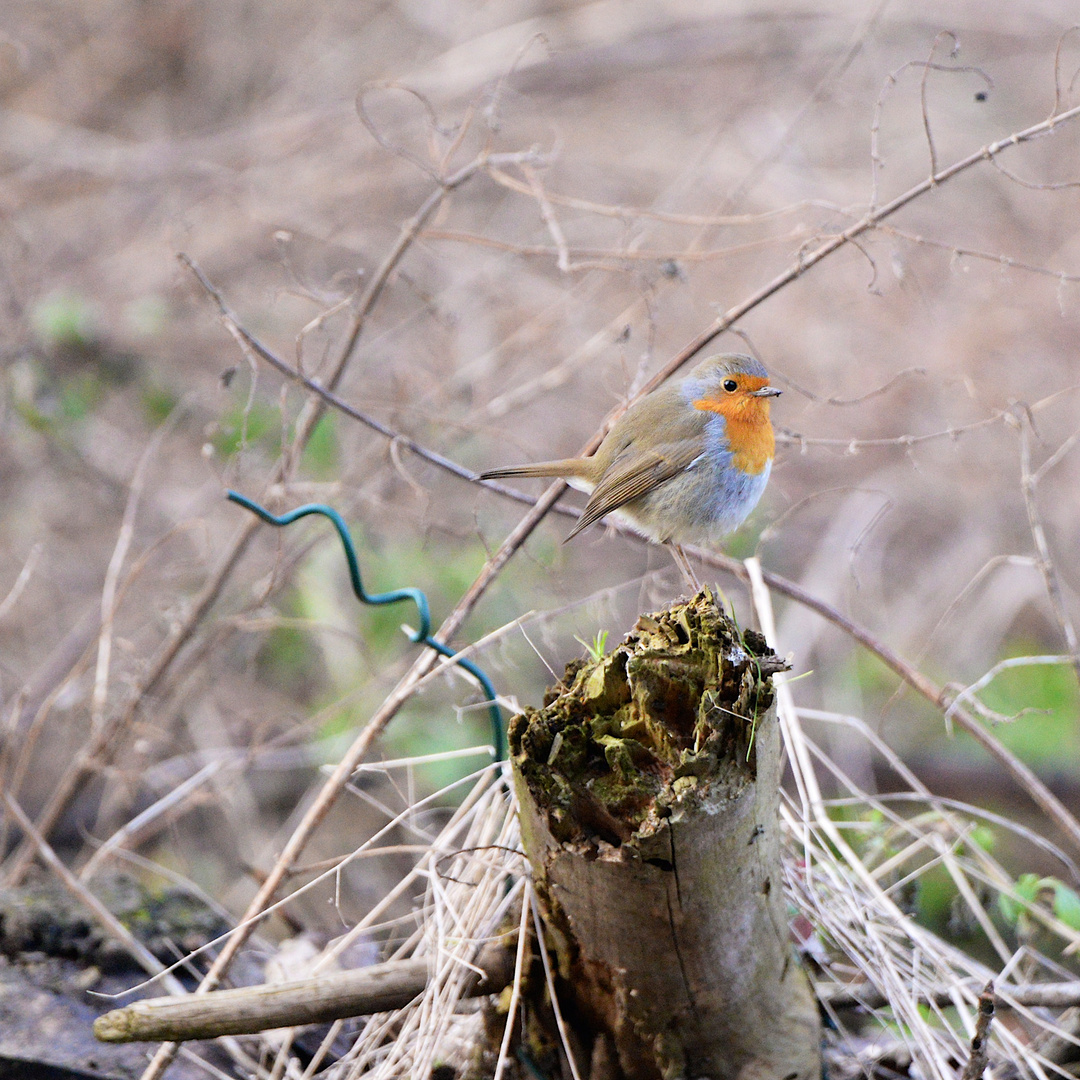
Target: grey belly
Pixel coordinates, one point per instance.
(695, 508)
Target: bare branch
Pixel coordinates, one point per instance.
(356, 753)
(549, 218)
(843, 402)
(636, 213)
(891, 80)
(943, 35)
(594, 258)
(957, 251)
(969, 692)
(1028, 484)
(1035, 185)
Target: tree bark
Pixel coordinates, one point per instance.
(649, 790)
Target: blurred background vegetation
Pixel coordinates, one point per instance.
(716, 141)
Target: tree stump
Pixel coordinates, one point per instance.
(649, 790)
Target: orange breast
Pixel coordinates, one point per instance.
(752, 445)
(749, 431)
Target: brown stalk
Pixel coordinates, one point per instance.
(312, 1000)
(395, 983)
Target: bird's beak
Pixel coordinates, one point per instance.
(766, 391)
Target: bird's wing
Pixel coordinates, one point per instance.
(635, 473)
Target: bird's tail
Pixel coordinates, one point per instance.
(566, 468)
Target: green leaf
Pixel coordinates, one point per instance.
(596, 648)
(1066, 904)
(158, 403)
(1044, 699)
(1027, 888)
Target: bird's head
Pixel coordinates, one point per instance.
(735, 386)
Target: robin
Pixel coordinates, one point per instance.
(684, 465)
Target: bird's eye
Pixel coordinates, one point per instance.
(730, 385)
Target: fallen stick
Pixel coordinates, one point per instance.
(316, 1000)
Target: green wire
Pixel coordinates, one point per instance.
(421, 636)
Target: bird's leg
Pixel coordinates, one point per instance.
(683, 563)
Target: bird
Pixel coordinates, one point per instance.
(684, 465)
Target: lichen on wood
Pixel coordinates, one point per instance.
(649, 789)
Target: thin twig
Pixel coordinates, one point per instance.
(893, 79)
(957, 251)
(252, 346)
(26, 723)
(967, 694)
(553, 995)
(786, 380)
(980, 1049)
(1062, 451)
(515, 986)
(112, 575)
(25, 574)
(927, 68)
(1057, 67)
(634, 213)
(1035, 185)
(853, 446)
(594, 258)
(134, 830)
(547, 213)
(1028, 484)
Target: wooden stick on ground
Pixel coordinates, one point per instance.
(315, 1000)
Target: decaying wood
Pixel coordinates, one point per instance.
(649, 791)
